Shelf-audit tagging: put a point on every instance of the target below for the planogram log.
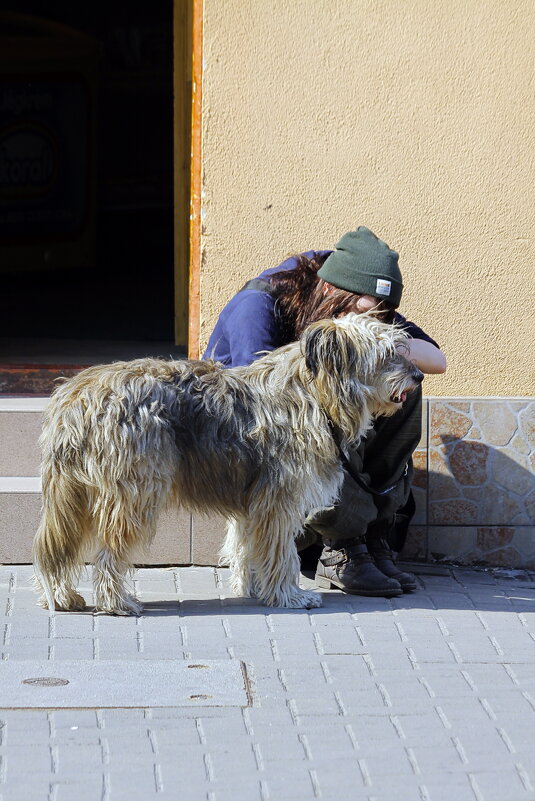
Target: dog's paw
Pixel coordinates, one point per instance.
(64, 601)
(127, 605)
(299, 599)
(310, 600)
(76, 603)
(133, 606)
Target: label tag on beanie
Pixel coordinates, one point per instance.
(383, 287)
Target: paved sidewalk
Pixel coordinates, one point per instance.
(429, 697)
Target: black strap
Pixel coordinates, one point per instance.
(346, 464)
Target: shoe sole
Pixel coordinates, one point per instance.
(328, 584)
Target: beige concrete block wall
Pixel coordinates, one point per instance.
(474, 486)
(20, 493)
(410, 117)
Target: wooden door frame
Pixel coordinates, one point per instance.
(187, 122)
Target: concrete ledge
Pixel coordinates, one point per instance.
(20, 513)
(474, 486)
(23, 404)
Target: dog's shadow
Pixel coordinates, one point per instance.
(490, 597)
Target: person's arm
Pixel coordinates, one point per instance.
(422, 350)
(426, 356)
(252, 328)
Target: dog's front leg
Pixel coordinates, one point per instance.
(263, 559)
(111, 595)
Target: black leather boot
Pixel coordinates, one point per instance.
(383, 558)
(346, 564)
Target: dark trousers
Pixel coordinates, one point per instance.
(382, 459)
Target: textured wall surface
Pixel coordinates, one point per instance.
(410, 117)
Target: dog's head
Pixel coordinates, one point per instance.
(357, 364)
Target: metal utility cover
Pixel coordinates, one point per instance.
(86, 684)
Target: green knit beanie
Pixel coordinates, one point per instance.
(365, 265)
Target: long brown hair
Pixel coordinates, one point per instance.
(301, 298)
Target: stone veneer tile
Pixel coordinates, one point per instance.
(425, 424)
(451, 543)
(511, 470)
(503, 557)
(419, 485)
(524, 541)
(489, 538)
(455, 512)
(493, 546)
(481, 474)
(442, 487)
(497, 507)
(526, 420)
(468, 462)
(496, 422)
(529, 504)
(419, 461)
(447, 423)
(415, 546)
(519, 444)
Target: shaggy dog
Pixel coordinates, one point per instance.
(123, 441)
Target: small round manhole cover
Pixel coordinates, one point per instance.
(46, 681)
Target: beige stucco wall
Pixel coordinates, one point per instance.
(413, 117)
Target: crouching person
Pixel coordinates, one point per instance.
(361, 274)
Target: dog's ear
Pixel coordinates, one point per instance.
(310, 348)
(328, 349)
(332, 358)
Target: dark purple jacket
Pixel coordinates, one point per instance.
(248, 324)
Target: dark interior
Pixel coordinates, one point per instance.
(87, 254)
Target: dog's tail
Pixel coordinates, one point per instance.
(58, 542)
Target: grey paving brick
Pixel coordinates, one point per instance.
(181, 769)
(73, 648)
(448, 787)
(332, 743)
(495, 785)
(27, 759)
(371, 728)
(82, 791)
(417, 729)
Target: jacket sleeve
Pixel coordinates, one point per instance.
(413, 330)
(252, 327)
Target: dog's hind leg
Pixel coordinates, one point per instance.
(60, 541)
(126, 526)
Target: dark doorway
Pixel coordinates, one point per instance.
(86, 179)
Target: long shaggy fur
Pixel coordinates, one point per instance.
(123, 441)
